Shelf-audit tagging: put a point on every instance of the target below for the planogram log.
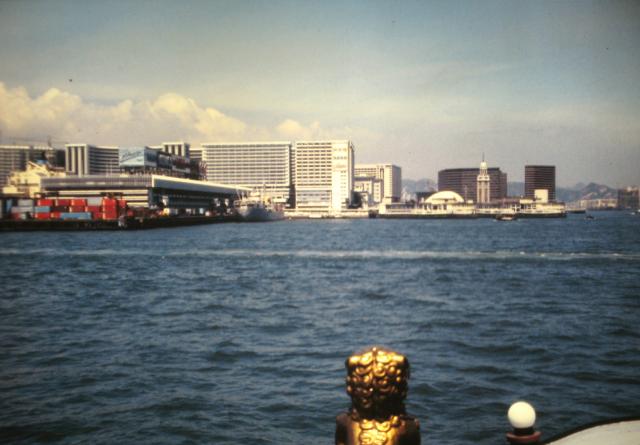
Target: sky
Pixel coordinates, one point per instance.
(426, 85)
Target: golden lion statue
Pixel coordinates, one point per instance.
(377, 384)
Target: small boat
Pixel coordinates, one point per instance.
(506, 217)
(589, 217)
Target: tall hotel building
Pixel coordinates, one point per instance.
(464, 181)
(540, 177)
(391, 180)
(16, 157)
(85, 159)
(323, 174)
(256, 165)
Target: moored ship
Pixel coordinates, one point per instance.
(258, 210)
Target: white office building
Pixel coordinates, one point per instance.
(370, 189)
(323, 174)
(391, 177)
(264, 167)
(85, 159)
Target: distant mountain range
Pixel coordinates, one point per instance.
(420, 185)
(575, 193)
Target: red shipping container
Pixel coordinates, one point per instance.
(63, 202)
(16, 216)
(55, 215)
(78, 203)
(44, 202)
(93, 209)
(96, 215)
(109, 215)
(43, 215)
(76, 209)
(122, 203)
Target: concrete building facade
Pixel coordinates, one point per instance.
(261, 166)
(323, 174)
(370, 189)
(389, 174)
(539, 177)
(86, 159)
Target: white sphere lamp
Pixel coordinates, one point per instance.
(522, 415)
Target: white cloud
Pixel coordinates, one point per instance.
(67, 117)
(171, 116)
(291, 129)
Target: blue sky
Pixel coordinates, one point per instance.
(425, 85)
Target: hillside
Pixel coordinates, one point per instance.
(420, 185)
(575, 193)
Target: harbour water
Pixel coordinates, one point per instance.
(237, 333)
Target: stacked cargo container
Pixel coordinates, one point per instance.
(96, 208)
(22, 210)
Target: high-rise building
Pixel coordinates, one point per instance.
(389, 174)
(540, 177)
(16, 158)
(629, 198)
(464, 181)
(323, 174)
(262, 166)
(85, 159)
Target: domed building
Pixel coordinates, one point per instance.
(444, 197)
(448, 201)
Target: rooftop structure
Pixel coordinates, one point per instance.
(143, 190)
(153, 161)
(179, 148)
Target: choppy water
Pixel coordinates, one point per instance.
(234, 334)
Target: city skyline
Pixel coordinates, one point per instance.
(426, 86)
